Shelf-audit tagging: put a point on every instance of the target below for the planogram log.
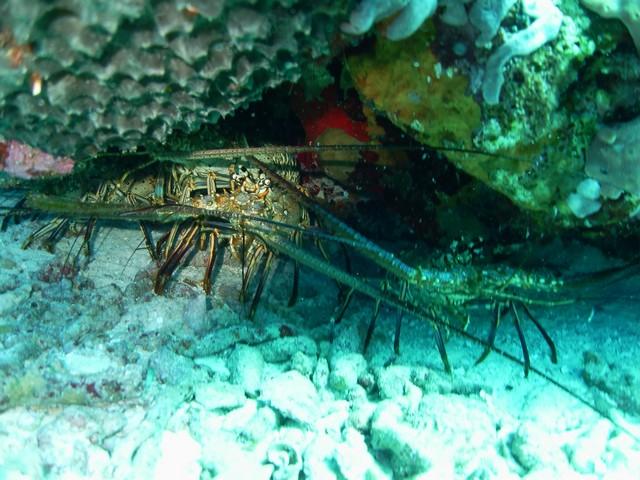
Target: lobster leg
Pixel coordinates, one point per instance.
(148, 241)
(13, 213)
(543, 332)
(266, 268)
(372, 325)
(523, 342)
(492, 334)
(213, 243)
(442, 349)
(293, 298)
(355, 284)
(51, 231)
(185, 244)
(86, 241)
(396, 335)
(255, 253)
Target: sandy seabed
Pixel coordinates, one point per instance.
(101, 378)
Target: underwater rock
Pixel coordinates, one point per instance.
(262, 423)
(22, 161)
(347, 339)
(21, 455)
(88, 362)
(321, 448)
(285, 453)
(305, 364)
(294, 396)
(282, 349)
(65, 444)
(227, 337)
(220, 450)
(536, 135)
(179, 456)
(535, 449)
(545, 27)
(393, 381)
(628, 11)
(536, 129)
(174, 369)
(320, 375)
(226, 457)
(219, 395)
(354, 446)
(246, 365)
(622, 384)
(238, 420)
(361, 412)
(12, 297)
(612, 159)
(407, 81)
(409, 455)
(216, 366)
(345, 371)
(335, 414)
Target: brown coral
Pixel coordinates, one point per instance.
(128, 73)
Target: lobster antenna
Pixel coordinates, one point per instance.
(202, 156)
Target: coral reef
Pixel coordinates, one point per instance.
(612, 163)
(79, 77)
(407, 81)
(412, 13)
(486, 16)
(628, 11)
(494, 75)
(585, 200)
(536, 125)
(612, 159)
(544, 29)
(524, 61)
(22, 161)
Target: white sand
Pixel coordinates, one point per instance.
(100, 378)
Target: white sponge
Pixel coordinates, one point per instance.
(586, 201)
(626, 10)
(544, 29)
(411, 15)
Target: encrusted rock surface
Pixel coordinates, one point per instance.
(77, 77)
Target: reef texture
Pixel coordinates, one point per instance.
(407, 81)
(612, 159)
(528, 80)
(79, 77)
(628, 11)
(22, 161)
